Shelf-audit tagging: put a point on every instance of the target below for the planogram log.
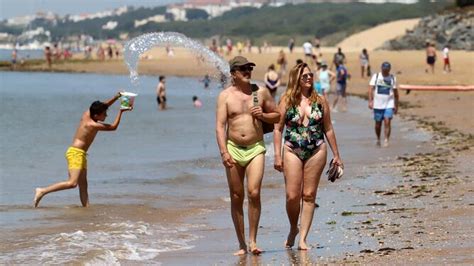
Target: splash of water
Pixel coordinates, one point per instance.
(138, 45)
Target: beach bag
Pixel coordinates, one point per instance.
(267, 127)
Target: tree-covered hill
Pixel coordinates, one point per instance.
(274, 24)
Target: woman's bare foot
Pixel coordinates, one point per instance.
(254, 249)
(240, 252)
(303, 246)
(38, 195)
(290, 241)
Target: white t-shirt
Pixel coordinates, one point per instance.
(308, 48)
(383, 92)
(445, 52)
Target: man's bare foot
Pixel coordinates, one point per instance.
(303, 246)
(240, 252)
(290, 241)
(254, 249)
(38, 195)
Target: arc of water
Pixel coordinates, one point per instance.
(138, 45)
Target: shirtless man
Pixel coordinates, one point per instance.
(241, 147)
(430, 57)
(161, 93)
(90, 124)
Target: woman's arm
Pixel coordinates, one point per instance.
(330, 134)
(278, 134)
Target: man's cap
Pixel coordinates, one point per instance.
(239, 61)
(323, 63)
(386, 65)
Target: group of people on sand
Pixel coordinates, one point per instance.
(302, 132)
(431, 58)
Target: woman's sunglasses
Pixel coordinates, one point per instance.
(307, 76)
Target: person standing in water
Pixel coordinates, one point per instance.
(240, 111)
(161, 93)
(383, 99)
(76, 154)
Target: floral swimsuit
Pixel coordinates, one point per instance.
(304, 140)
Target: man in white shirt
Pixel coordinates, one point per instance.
(308, 52)
(383, 99)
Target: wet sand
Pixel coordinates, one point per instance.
(424, 217)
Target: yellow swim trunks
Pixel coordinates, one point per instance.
(76, 158)
(244, 154)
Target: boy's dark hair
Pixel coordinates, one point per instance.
(162, 78)
(195, 98)
(97, 108)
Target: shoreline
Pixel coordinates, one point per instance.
(440, 180)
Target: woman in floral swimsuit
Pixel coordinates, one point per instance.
(305, 122)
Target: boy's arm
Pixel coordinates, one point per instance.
(114, 125)
(111, 101)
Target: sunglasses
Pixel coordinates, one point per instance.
(307, 76)
(245, 68)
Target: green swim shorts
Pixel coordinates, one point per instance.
(244, 154)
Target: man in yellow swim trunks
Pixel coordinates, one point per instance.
(241, 146)
(90, 124)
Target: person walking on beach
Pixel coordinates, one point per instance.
(383, 99)
(364, 63)
(341, 86)
(430, 57)
(447, 64)
(325, 77)
(291, 45)
(161, 93)
(14, 58)
(76, 154)
(48, 56)
(272, 80)
(306, 122)
(281, 63)
(308, 52)
(338, 57)
(239, 132)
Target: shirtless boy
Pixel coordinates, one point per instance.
(241, 146)
(90, 124)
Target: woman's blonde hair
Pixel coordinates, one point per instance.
(293, 91)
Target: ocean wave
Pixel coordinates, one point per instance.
(109, 244)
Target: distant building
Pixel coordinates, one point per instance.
(157, 19)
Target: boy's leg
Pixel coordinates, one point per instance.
(235, 180)
(254, 171)
(84, 196)
(70, 183)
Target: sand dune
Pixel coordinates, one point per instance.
(376, 36)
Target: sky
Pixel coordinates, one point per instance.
(15, 8)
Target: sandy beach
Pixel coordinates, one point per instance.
(428, 215)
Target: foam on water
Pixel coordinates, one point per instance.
(115, 242)
(138, 45)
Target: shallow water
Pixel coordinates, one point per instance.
(156, 185)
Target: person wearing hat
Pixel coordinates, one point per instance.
(383, 99)
(325, 77)
(239, 114)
